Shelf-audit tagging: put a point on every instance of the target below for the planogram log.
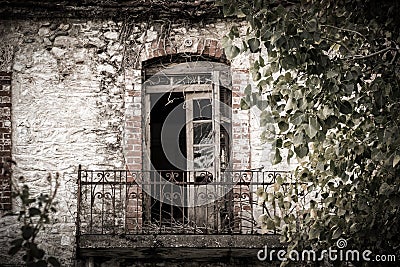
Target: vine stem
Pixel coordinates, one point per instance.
(343, 29)
(371, 55)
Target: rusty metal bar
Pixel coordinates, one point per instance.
(78, 214)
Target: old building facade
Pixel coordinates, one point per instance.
(86, 91)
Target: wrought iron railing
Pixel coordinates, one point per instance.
(142, 202)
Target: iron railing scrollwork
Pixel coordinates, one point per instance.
(131, 202)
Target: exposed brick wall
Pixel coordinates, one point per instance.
(241, 154)
(205, 47)
(133, 130)
(5, 137)
(134, 207)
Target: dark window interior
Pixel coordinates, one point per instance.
(162, 106)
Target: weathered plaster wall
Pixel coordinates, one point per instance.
(262, 152)
(64, 114)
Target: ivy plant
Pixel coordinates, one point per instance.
(327, 78)
(34, 214)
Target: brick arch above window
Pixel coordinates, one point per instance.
(210, 48)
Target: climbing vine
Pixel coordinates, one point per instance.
(327, 77)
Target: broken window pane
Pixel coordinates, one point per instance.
(193, 79)
(202, 133)
(202, 109)
(203, 157)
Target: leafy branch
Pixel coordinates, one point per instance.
(34, 214)
(357, 57)
(343, 29)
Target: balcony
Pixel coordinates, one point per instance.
(168, 213)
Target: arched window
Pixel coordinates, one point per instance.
(187, 135)
(188, 117)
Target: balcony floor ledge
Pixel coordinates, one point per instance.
(175, 246)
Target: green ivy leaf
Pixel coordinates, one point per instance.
(291, 104)
(312, 25)
(288, 62)
(270, 224)
(314, 232)
(336, 233)
(279, 179)
(27, 232)
(332, 74)
(290, 155)
(258, 4)
(234, 32)
(34, 212)
(254, 45)
(396, 160)
(385, 189)
(244, 104)
(17, 242)
(261, 60)
(277, 156)
(229, 10)
(312, 127)
(14, 250)
(231, 51)
(261, 104)
(345, 107)
(331, 122)
(283, 126)
(297, 118)
(298, 139)
(355, 227)
(301, 151)
(54, 262)
(35, 251)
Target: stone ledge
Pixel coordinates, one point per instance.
(175, 246)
